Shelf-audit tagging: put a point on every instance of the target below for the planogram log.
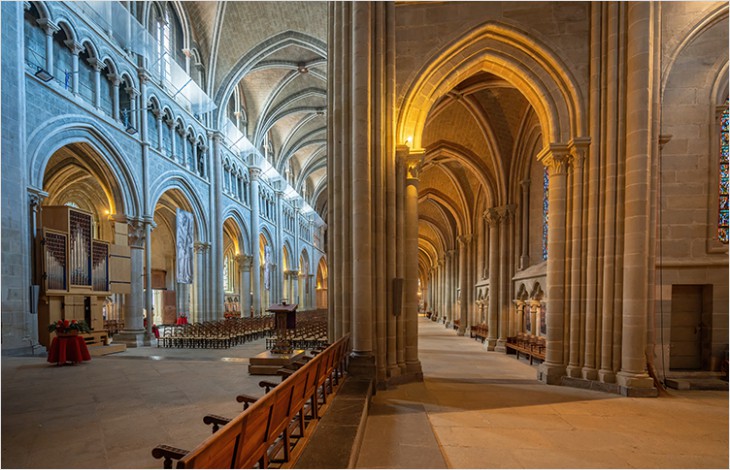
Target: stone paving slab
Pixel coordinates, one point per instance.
(487, 410)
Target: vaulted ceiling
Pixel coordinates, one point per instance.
(271, 58)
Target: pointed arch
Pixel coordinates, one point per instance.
(521, 59)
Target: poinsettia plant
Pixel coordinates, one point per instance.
(64, 326)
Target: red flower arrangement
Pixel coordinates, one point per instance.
(66, 326)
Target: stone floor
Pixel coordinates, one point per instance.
(474, 409)
(479, 409)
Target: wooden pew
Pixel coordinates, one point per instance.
(269, 426)
(532, 347)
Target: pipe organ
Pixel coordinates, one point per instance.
(73, 268)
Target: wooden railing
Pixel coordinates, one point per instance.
(269, 426)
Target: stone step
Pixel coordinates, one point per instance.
(97, 351)
(696, 384)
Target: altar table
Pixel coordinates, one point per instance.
(68, 349)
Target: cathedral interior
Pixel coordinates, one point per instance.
(514, 216)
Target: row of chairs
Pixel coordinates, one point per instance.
(215, 334)
(271, 429)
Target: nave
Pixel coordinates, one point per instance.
(474, 409)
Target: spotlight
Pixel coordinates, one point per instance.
(43, 74)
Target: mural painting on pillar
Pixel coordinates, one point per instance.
(184, 245)
(267, 267)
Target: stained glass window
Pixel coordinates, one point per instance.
(545, 184)
(722, 222)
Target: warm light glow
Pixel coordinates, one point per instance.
(409, 140)
(106, 211)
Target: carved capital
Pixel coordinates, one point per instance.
(556, 158)
(114, 79)
(578, 151)
(413, 163)
(201, 247)
(506, 213)
(464, 239)
(48, 26)
(244, 261)
(255, 173)
(73, 46)
(492, 217)
(35, 198)
(96, 64)
(144, 75)
(131, 91)
(135, 233)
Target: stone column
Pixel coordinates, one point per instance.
(215, 273)
(534, 310)
(442, 289)
(414, 162)
(279, 293)
(505, 301)
(116, 81)
(244, 265)
(160, 142)
(578, 148)
(184, 153)
(525, 225)
(519, 316)
(97, 65)
(555, 158)
(75, 49)
(201, 248)
(464, 241)
(450, 287)
(50, 29)
(135, 107)
(593, 170)
(615, 51)
(255, 174)
(361, 157)
(492, 218)
(133, 333)
(149, 224)
(642, 29)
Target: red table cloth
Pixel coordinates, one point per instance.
(182, 321)
(68, 349)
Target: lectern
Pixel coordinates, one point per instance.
(285, 317)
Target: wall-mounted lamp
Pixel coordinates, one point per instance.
(43, 74)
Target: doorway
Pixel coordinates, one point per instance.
(691, 327)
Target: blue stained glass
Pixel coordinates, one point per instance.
(545, 185)
(723, 216)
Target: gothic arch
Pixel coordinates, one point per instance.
(179, 180)
(238, 221)
(112, 167)
(524, 61)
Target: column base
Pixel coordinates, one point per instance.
(393, 371)
(607, 376)
(132, 338)
(501, 345)
(574, 371)
(490, 344)
(550, 374)
(362, 366)
(414, 370)
(460, 332)
(448, 324)
(636, 385)
(590, 373)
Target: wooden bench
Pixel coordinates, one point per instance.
(268, 428)
(479, 332)
(532, 347)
